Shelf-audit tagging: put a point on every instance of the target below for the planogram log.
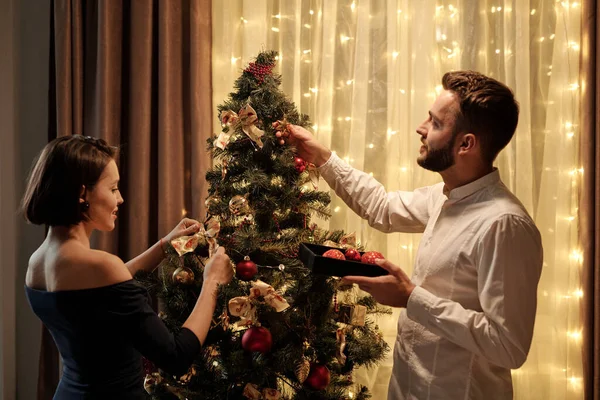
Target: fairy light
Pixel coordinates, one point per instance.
(577, 256)
(578, 293)
(311, 12)
(306, 51)
(353, 6)
(183, 212)
(573, 45)
(337, 209)
(314, 90)
(533, 11)
(307, 26)
(349, 81)
(244, 20)
(370, 145)
(395, 55)
(348, 118)
(234, 60)
(575, 335)
(344, 38)
(274, 29)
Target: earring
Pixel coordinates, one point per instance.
(85, 205)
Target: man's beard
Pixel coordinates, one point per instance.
(438, 160)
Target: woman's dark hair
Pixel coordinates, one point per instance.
(64, 166)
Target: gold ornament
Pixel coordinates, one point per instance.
(302, 369)
(238, 205)
(212, 201)
(188, 377)
(183, 275)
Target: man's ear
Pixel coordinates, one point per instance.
(467, 142)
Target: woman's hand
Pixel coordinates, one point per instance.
(219, 268)
(186, 227)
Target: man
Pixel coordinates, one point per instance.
(469, 308)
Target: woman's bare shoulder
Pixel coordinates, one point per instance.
(74, 267)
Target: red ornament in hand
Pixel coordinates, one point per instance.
(257, 339)
(352, 254)
(333, 253)
(299, 164)
(370, 256)
(246, 269)
(319, 377)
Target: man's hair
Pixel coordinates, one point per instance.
(54, 184)
(488, 109)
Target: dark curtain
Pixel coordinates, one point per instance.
(137, 74)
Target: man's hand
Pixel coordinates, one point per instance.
(307, 146)
(390, 290)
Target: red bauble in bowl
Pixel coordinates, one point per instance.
(333, 253)
(258, 339)
(370, 256)
(352, 254)
(246, 269)
(319, 377)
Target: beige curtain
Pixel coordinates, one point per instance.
(137, 74)
(590, 199)
(366, 71)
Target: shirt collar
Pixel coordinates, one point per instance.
(461, 192)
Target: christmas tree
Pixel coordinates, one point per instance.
(279, 331)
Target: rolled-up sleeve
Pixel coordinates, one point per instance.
(399, 211)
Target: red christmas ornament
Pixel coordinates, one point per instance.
(333, 253)
(370, 256)
(246, 269)
(319, 377)
(352, 254)
(299, 164)
(257, 339)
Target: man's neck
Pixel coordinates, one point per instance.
(454, 177)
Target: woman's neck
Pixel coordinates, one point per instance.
(77, 232)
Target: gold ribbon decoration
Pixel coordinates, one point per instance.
(271, 394)
(244, 307)
(251, 392)
(248, 119)
(346, 242)
(228, 120)
(340, 335)
(208, 234)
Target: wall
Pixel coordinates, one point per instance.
(24, 50)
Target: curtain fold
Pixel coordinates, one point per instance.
(136, 74)
(590, 198)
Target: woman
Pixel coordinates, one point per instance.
(100, 318)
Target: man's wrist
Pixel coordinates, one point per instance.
(323, 157)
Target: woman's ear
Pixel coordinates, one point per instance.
(82, 194)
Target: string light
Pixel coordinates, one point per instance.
(370, 145)
(533, 11)
(274, 29)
